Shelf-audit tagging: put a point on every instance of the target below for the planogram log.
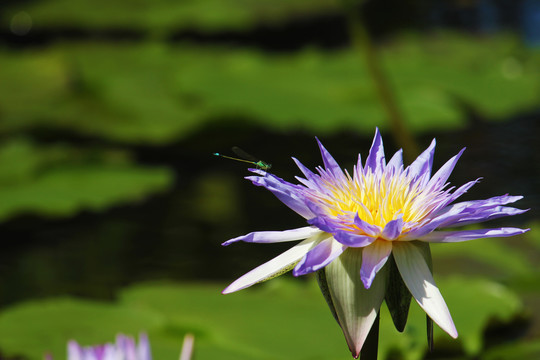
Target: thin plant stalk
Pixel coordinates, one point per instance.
(363, 43)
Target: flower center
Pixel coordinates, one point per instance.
(377, 198)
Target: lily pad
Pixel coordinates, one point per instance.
(473, 303)
(60, 180)
(280, 319)
(150, 92)
(166, 15)
(517, 350)
(37, 327)
(492, 257)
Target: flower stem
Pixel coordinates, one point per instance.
(363, 43)
(429, 331)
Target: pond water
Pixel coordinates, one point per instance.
(177, 235)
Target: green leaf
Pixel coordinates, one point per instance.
(280, 319)
(37, 327)
(60, 180)
(533, 236)
(473, 303)
(156, 93)
(161, 16)
(67, 191)
(528, 350)
(493, 258)
(491, 75)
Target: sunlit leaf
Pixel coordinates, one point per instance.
(156, 93)
(473, 303)
(37, 327)
(280, 319)
(492, 76)
(529, 350)
(494, 258)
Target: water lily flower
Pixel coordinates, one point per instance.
(125, 348)
(357, 222)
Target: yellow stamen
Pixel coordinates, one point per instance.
(377, 198)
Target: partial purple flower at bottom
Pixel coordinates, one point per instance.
(367, 234)
(125, 348)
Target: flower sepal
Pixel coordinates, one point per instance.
(398, 297)
(354, 307)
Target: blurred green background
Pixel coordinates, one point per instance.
(113, 209)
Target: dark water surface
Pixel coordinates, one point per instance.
(177, 235)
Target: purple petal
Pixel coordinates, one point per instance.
(330, 164)
(310, 175)
(375, 160)
(143, 349)
(125, 345)
(320, 256)
(276, 236)
(323, 223)
(461, 190)
(393, 229)
(109, 351)
(488, 214)
(74, 351)
(353, 240)
(470, 212)
(496, 200)
(289, 194)
(373, 259)
(258, 171)
(395, 163)
(420, 231)
(487, 203)
(440, 177)
(465, 235)
(372, 230)
(423, 163)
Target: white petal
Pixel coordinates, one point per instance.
(74, 350)
(143, 349)
(276, 236)
(187, 347)
(275, 267)
(417, 276)
(356, 307)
